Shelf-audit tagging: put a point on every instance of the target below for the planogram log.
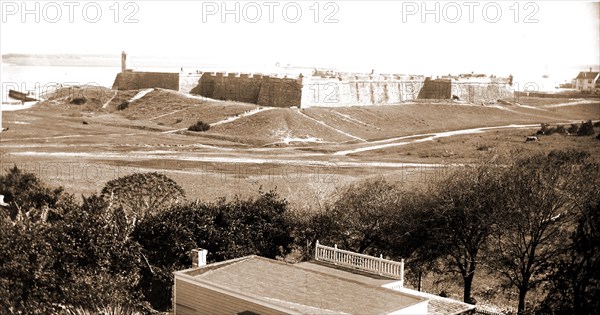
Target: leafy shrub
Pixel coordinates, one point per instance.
(573, 129)
(586, 129)
(123, 105)
(199, 126)
(561, 130)
(597, 124)
(78, 100)
(543, 129)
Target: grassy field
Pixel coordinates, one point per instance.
(306, 154)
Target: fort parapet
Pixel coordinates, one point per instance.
(133, 80)
(323, 90)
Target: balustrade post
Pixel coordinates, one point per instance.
(402, 271)
(380, 264)
(317, 251)
(335, 254)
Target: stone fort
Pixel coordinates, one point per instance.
(322, 88)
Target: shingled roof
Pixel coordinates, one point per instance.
(587, 75)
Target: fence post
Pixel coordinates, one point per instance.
(380, 264)
(317, 250)
(335, 254)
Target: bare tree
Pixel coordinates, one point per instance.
(360, 217)
(460, 218)
(531, 231)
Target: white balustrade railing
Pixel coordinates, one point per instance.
(378, 265)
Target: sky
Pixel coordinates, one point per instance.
(388, 36)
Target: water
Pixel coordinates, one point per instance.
(41, 79)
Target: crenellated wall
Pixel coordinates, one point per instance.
(359, 90)
(280, 92)
(251, 88)
(348, 89)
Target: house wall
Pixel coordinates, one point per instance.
(143, 80)
(192, 299)
(586, 86)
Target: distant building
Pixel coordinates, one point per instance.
(337, 282)
(588, 82)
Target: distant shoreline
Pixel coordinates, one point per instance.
(61, 60)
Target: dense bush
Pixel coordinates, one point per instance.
(573, 129)
(124, 105)
(561, 129)
(199, 126)
(78, 100)
(54, 252)
(586, 129)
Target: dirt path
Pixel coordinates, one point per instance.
(328, 126)
(356, 121)
(110, 100)
(242, 115)
(169, 113)
(426, 137)
(140, 94)
(162, 155)
(579, 102)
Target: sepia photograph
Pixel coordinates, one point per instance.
(299, 157)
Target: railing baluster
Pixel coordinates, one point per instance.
(364, 262)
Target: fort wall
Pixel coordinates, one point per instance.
(188, 81)
(342, 89)
(359, 90)
(251, 88)
(130, 80)
(477, 90)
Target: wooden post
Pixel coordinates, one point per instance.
(317, 250)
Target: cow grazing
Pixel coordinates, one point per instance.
(531, 138)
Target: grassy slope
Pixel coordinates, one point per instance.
(57, 126)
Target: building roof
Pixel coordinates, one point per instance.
(301, 289)
(440, 305)
(437, 304)
(587, 75)
(316, 287)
